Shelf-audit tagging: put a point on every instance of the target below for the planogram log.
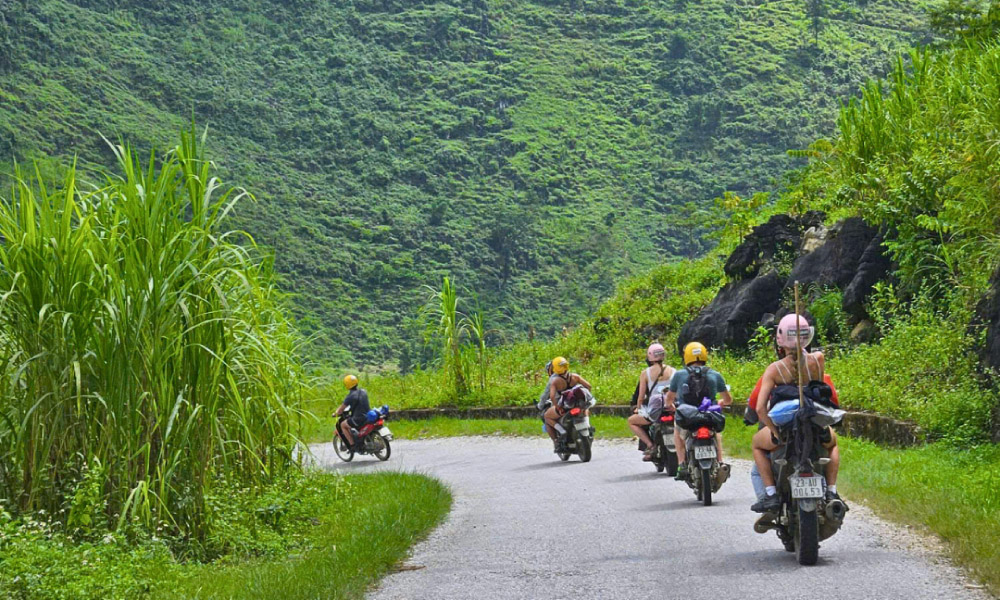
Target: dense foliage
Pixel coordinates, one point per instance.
(145, 352)
(285, 541)
(536, 150)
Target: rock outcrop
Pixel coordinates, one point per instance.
(730, 319)
(780, 235)
(848, 255)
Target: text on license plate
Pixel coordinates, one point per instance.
(384, 432)
(806, 487)
(703, 452)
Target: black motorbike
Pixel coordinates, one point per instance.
(806, 516)
(576, 435)
(705, 473)
(661, 432)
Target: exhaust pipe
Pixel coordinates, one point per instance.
(721, 475)
(835, 510)
(765, 523)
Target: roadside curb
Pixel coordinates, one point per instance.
(867, 426)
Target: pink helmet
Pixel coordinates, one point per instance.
(655, 353)
(789, 329)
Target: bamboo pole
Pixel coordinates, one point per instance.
(798, 346)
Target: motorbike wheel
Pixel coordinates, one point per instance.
(706, 487)
(658, 463)
(807, 538)
(343, 451)
(583, 448)
(382, 449)
(671, 462)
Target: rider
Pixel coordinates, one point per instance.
(750, 418)
(543, 400)
(561, 381)
(783, 372)
(357, 403)
(653, 382)
(695, 357)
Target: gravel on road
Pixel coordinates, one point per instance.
(525, 525)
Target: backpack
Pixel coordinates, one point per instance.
(697, 386)
(574, 397)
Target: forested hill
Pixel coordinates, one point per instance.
(538, 151)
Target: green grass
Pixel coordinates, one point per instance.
(352, 548)
(315, 536)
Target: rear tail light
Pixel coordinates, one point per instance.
(805, 474)
(666, 419)
(703, 433)
(379, 423)
(574, 411)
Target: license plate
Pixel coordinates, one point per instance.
(668, 441)
(582, 426)
(806, 487)
(384, 432)
(704, 452)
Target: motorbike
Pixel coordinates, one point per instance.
(806, 517)
(705, 474)
(373, 438)
(661, 431)
(575, 434)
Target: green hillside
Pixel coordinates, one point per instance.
(538, 151)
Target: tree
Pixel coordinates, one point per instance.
(959, 19)
(816, 10)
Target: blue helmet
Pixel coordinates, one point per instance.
(372, 416)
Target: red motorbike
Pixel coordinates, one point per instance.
(373, 437)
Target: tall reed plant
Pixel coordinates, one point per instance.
(139, 336)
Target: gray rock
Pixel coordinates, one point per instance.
(863, 332)
(780, 234)
(731, 318)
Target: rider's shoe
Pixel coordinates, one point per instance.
(768, 504)
(835, 496)
(682, 472)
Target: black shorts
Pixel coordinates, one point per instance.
(356, 422)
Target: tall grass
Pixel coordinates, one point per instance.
(138, 337)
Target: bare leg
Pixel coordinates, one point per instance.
(680, 447)
(718, 446)
(636, 423)
(551, 416)
(833, 468)
(762, 445)
(346, 429)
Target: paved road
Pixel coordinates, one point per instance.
(525, 525)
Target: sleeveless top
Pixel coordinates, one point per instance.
(654, 387)
(786, 372)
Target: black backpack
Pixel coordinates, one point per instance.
(698, 387)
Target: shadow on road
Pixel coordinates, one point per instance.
(547, 465)
(648, 476)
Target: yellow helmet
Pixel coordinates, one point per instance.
(560, 366)
(695, 352)
(350, 381)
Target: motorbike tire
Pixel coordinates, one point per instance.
(706, 487)
(583, 448)
(344, 452)
(671, 462)
(807, 538)
(385, 452)
(659, 465)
